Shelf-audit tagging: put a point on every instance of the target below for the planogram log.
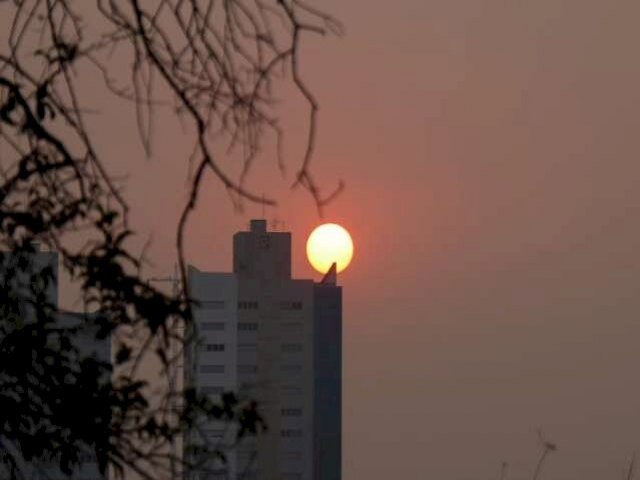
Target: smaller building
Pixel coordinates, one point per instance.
(31, 279)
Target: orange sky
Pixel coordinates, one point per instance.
(490, 152)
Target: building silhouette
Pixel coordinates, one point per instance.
(277, 340)
(20, 275)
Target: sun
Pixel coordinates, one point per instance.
(327, 244)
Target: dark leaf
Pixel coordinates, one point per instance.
(123, 355)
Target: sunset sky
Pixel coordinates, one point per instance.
(490, 151)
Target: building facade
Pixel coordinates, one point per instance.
(277, 340)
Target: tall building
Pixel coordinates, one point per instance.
(277, 340)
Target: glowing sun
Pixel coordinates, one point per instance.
(327, 244)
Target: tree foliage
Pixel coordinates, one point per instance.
(217, 61)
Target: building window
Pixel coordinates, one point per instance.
(247, 305)
(291, 412)
(247, 369)
(291, 433)
(291, 348)
(212, 326)
(291, 305)
(248, 326)
(247, 347)
(211, 304)
(213, 347)
(211, 368)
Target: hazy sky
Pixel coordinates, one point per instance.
(490, 151)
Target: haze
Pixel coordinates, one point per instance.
(490, 153)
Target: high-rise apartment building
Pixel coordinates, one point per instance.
(277, 340)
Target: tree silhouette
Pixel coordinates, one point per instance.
(218, 60)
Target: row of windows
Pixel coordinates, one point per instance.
(211, 304)
(291, 433)
(212, 326)
(248, 386)
(221, 368)
(247, 305)
(286, 348)
(211, 368)
(213, 347)
(220, 347)
(291, 348)
(291, 412)
(220, 326)
(210, 390)
(242, 326)
(295, 305)
(220, 304)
